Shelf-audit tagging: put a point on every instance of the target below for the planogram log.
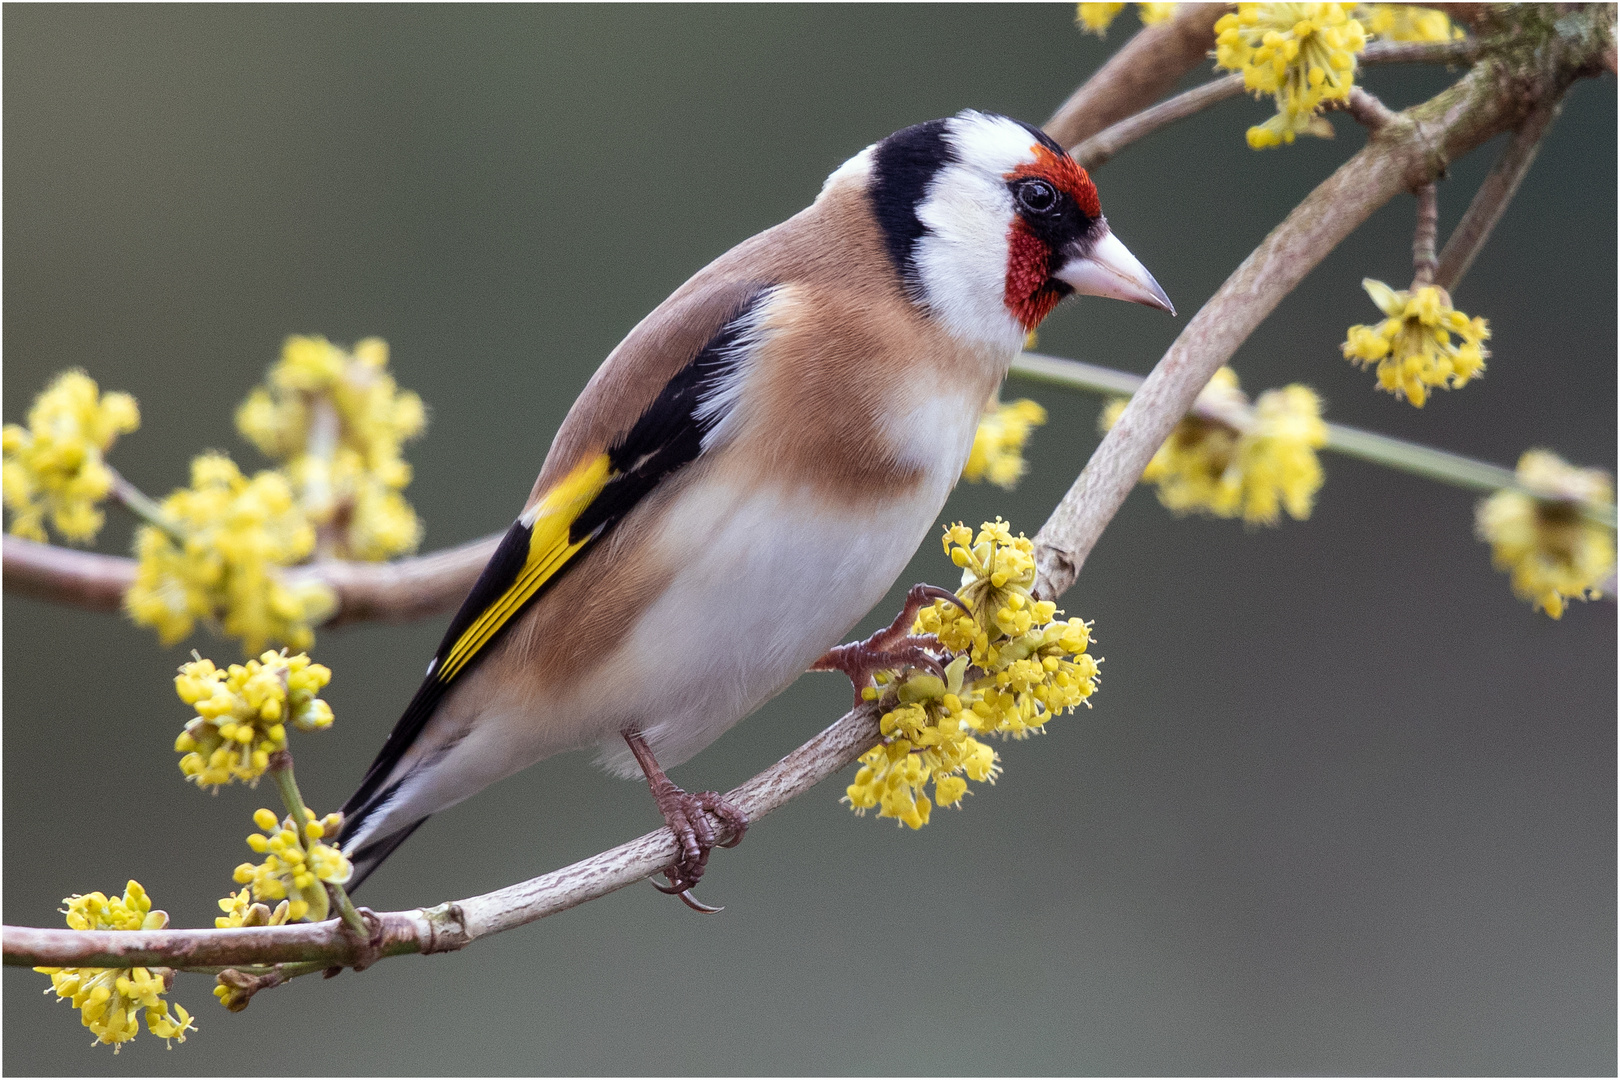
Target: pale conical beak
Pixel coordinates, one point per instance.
(1109, 269)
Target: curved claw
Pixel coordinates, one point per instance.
(934, 592)
(697, 905)
(683, 889)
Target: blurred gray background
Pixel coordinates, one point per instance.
(1343, 805)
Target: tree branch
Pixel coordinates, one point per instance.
(64, 575)
(1144, 70)
(402, 590)
(390, 592)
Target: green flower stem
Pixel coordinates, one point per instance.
(143, 505)
(281, 771)
(1425, 461)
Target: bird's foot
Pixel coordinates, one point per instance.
(892, 648)
(687, 816)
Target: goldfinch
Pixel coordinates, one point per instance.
(745, 476)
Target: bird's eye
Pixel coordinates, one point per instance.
(1037, 196)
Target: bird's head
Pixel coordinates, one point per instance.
(990, 223)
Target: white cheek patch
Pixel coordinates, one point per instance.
(961, 258)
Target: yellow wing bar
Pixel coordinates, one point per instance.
(549, 551)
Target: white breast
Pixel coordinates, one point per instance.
(768, 581)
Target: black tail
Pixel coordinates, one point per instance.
(371, 856)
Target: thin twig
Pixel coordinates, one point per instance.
(1494, 195)
(1424, 234)
(1111, 140)
(1426, 461)
(1465, 51)
(1367, 110)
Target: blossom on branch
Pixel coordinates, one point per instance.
(1301, 54)
(1226, 460)
(998, 443)
(232, 536)
(54, 465)
(108, 998)
(1413, 347)
(295, 867)
(1016, 666)
(243, 713)
(336, 421)
(1553, 553)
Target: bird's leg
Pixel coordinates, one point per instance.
(685, 815)
(892, 647)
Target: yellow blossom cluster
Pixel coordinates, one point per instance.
(1301, 54)
(1096, 18)
(1413, 347)
(1016, 667)
(336, 421)
(295, 867)
(54, 465)
(243, 713)
(1407, 22)
(108, 999)
(998, 444)
(1225, 460)
(231, 537)
(1551, 550)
